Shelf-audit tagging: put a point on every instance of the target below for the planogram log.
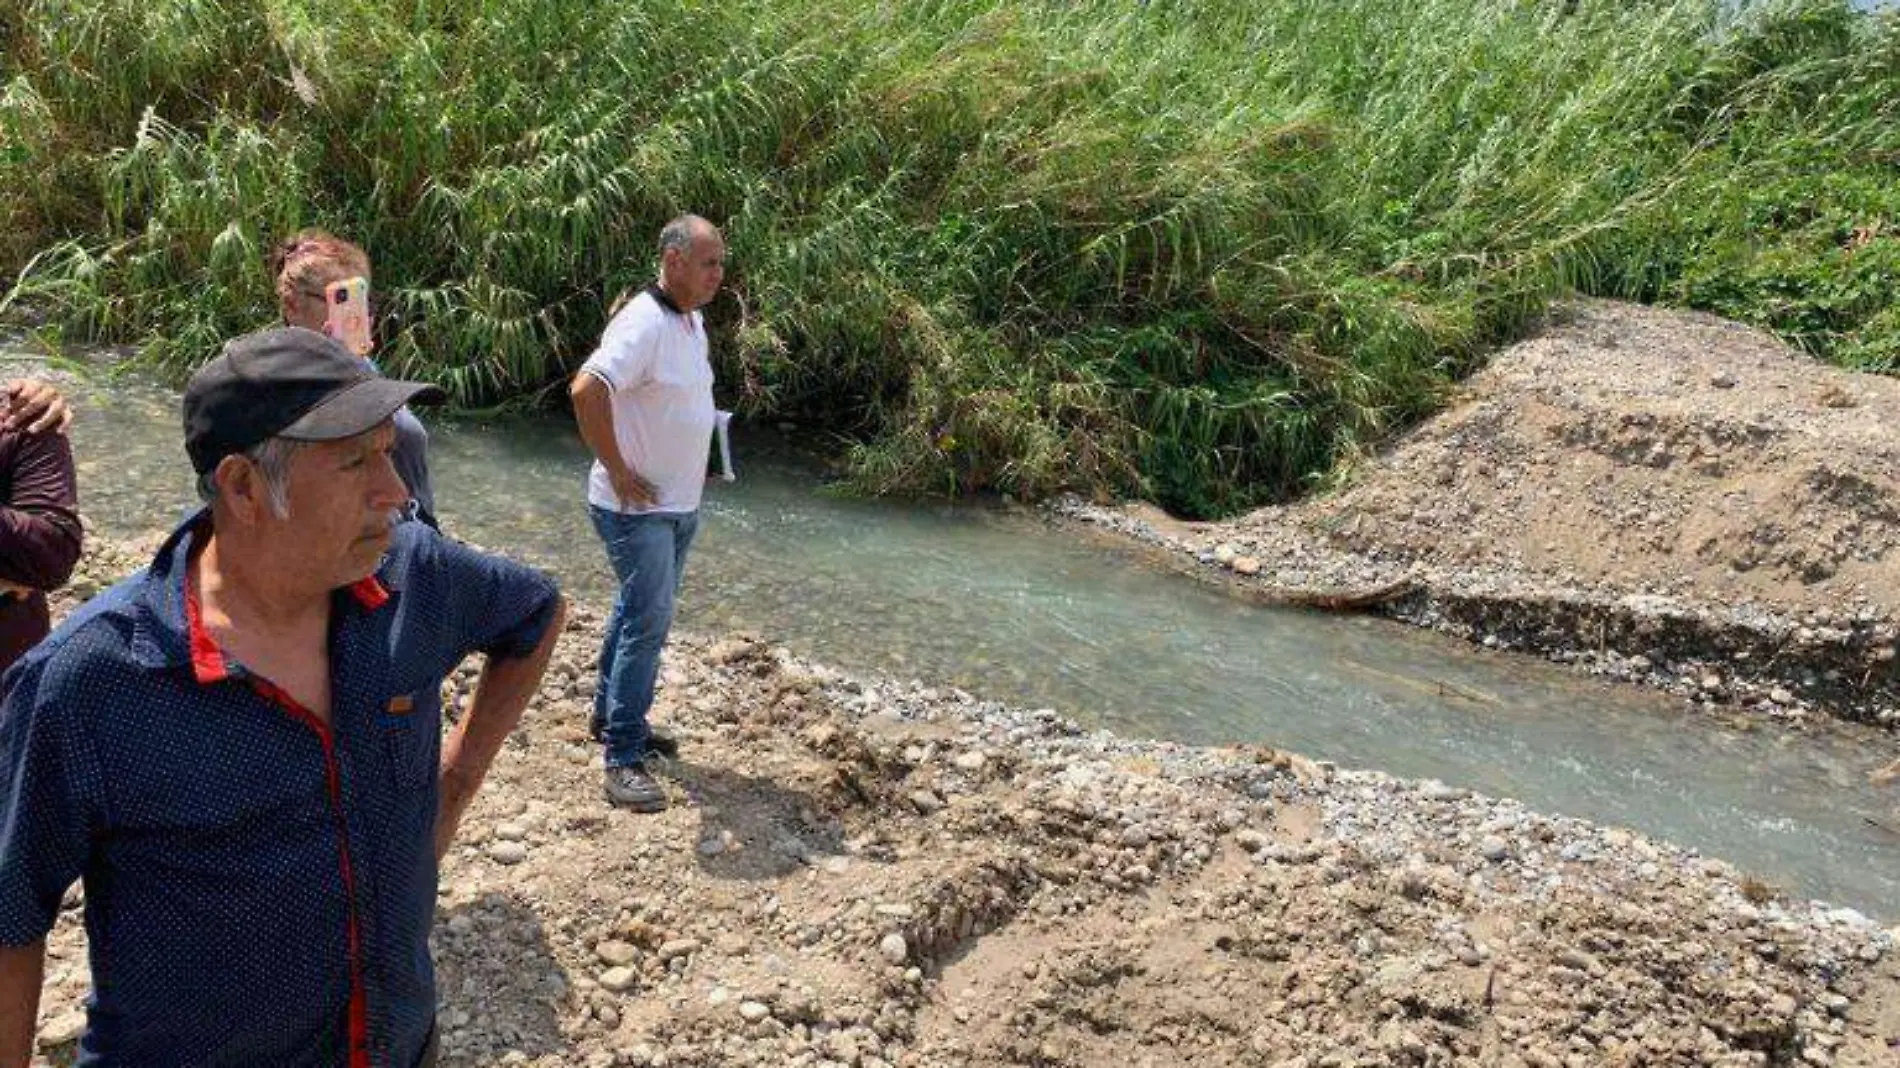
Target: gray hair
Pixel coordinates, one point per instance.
(272, 458)
(682, 232)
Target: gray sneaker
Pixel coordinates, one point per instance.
(633, 788)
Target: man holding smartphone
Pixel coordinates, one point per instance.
(323, 284)
(645, 407)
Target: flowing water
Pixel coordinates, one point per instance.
(1004, 605)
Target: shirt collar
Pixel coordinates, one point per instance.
(665, 301)
(171, 633)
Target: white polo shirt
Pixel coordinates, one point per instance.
(655, 360)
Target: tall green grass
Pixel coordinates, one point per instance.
(1207, 251)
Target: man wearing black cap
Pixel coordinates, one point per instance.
(238, 748)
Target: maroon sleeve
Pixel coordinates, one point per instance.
(39, 523)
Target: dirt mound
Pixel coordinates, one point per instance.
(1643, 448)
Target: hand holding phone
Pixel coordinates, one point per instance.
(347, 317)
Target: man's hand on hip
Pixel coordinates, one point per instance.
(631, 489)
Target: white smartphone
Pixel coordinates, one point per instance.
(347, 317)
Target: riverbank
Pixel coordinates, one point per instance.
(864, 873)
(1660, 497)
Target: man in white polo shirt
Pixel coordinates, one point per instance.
(645, 407)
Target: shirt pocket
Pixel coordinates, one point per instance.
(411, 726)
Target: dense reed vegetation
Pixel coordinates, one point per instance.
(1205, 250)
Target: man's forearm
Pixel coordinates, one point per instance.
(593, 413)
(21, 971)
(502, 693)
(35, 551)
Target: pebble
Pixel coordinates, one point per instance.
(894, 948)
(617, 979)
(1494, 848)
(1581, 961)
(753, 1011)
(678, 947)
(508, 852)
(615, 952)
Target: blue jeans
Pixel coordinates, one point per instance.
(648, 552)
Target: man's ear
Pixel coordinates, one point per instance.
(241, 488)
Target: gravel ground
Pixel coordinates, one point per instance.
(861, 872)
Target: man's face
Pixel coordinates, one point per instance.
(343, 496)
(693, 273)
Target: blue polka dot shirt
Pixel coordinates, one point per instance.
(259, 888)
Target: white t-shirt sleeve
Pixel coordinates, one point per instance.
(626, 353)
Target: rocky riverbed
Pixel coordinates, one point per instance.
(862, 872)
(1660, 497)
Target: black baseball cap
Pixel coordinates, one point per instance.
(287, 382)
